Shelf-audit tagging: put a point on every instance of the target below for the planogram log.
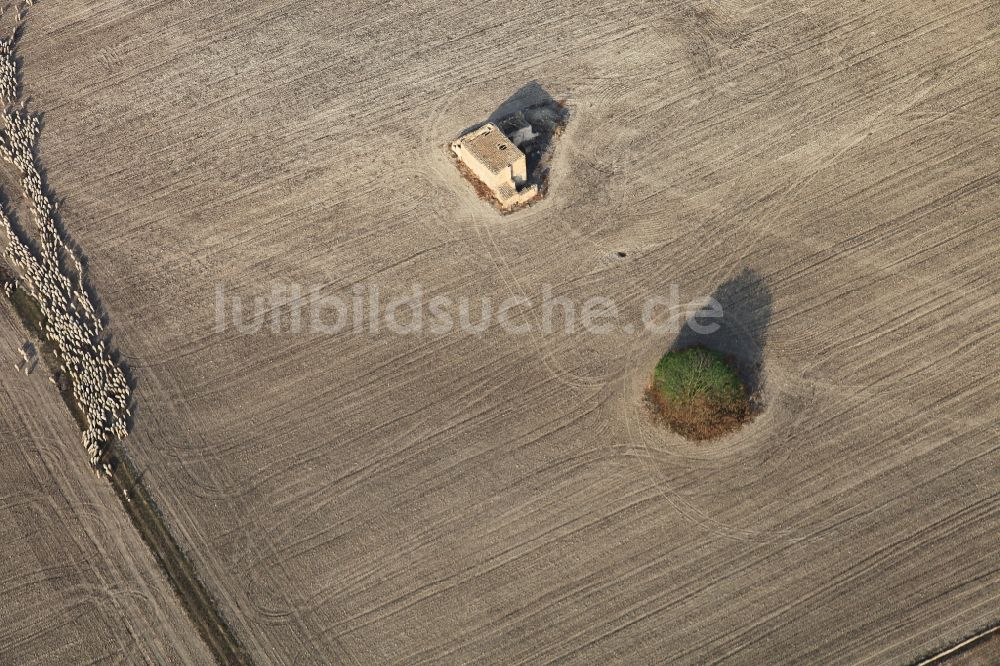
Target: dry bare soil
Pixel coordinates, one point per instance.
(77, 584)
(829, 171)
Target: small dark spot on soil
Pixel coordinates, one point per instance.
(621, 254)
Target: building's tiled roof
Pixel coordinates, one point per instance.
(505, 192)
(491, 148)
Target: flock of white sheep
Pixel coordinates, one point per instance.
(71, 324)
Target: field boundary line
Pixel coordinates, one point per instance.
(960, 647)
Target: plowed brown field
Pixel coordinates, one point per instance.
(827, 171)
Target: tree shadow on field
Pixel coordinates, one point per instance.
(742, 329)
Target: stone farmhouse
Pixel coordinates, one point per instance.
(497, 162)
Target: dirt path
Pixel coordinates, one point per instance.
(76, 586)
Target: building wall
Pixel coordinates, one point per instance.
(519, 171)
(525, 195)
(508, 179)
(491, 180)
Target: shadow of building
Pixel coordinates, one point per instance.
(532, 119)
(531, 94)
